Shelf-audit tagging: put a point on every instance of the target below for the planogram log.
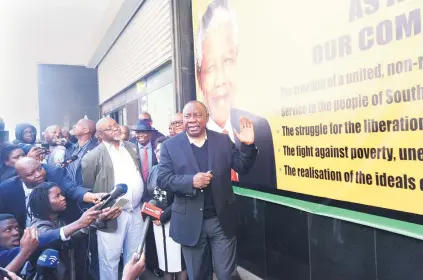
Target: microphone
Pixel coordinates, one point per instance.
(117, 192)
(151, 210)
(68, 161)
(47, 264)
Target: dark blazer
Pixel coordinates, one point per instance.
(12, 195)
(164, 204)
(71, 148)
(7, 255)
(263, 172)
(176, 171)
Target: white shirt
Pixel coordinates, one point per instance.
(228, 127)
(28, 192)
(126, 172)
(197, 142)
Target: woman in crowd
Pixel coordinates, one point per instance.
(45, 205)
(169, 252)
(10, 154)
(25, 134)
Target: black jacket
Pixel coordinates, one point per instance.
(163, 198)
(176, 171)
(19, 133)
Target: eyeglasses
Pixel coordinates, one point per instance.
(177, 123)
(113, 128)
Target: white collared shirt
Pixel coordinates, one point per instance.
(198, 142)
(212, 125)
(28, 192)
(126, 172)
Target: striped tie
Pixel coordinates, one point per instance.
(234, 175)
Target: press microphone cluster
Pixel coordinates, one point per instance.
(68, 161)
(107, 200)
(118, 191)
(152, 211)
(47, 264)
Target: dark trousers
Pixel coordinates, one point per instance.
(94, 271)
(213, 247)
(80, 247)
(151, 259)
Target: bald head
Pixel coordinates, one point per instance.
(146, 116)
(197, 104)
(52, 134)
(108, 130)
(30, 171)
(84, 128)
(195, 118)
(176, 117)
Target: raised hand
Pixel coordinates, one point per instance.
(246, 134)
(29, 241)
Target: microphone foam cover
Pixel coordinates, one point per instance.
(48, 259)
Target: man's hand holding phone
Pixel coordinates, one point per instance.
(201, 180)
(114, 211)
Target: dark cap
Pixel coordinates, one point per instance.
(4, 217)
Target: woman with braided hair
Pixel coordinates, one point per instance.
(45, 205)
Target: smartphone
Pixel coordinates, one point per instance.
(210, 171)
(121, 202)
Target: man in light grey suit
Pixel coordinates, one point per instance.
(115, 162)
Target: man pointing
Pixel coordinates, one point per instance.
(196, 166)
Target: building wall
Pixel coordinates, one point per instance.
(277, 242)
(154, 94)
(143, 46)
(66, 94)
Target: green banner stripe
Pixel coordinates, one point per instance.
(396, 226)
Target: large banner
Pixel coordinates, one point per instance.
(334, 88)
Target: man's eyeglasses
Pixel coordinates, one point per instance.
(177, 123)
(113, 128)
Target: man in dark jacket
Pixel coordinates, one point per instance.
(15, 191)
(155, 135)
(196, 167)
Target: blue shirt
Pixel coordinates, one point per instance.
(73, 166)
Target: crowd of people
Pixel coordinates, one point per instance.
(52, 192)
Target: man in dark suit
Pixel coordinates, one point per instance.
(145, 116)
(196, 166)
(216, 65)
(15, 191)
(84, 131)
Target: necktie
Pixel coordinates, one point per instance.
(234, 175)
(144, 167)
